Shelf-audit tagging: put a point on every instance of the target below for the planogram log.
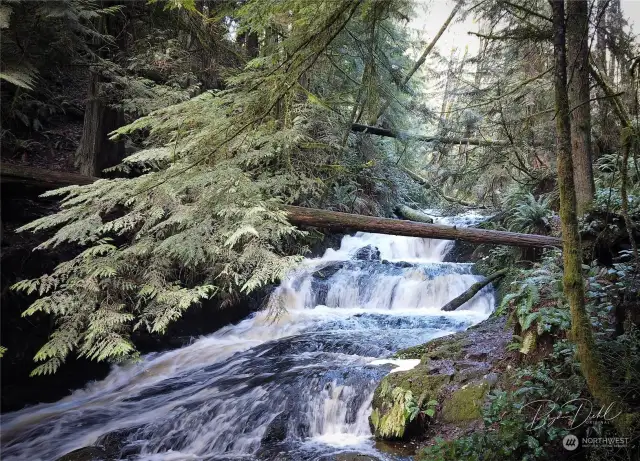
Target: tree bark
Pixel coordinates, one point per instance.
(579, 101)
(46, 179)
(473, 290)
(96, 151)
(581, 332)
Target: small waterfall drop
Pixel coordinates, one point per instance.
(299, 383)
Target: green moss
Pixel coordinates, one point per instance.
(419, 382)
(465, 404)
(448, 347)
(397, 392)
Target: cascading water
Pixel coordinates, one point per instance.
(297, 386)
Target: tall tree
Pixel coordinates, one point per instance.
(578, 60)
(581, 332)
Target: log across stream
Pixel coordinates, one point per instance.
(314, 217)
(296, 386)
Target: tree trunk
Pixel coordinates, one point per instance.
(473, 290)
(96, 152)
(578, 61)
(581, 333)
(252, 44)
(424, 183)
(600, 59)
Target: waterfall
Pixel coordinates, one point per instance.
(299, 382)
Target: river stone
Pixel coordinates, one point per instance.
(367, 253)
(348, 457)
(355, 457)
(328, 271)
(85, 454)
(276, 430)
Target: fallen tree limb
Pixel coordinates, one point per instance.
(422, 58)
(472, 291)
(359, 128)
(11, 173)
(314, 217)
(413, 215)
(335, 220)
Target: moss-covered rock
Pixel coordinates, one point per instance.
(448, 347)
(465, 403)
(398, 400)
(456, 371)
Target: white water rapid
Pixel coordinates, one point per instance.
(296, 387)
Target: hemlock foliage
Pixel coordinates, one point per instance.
(203, 219)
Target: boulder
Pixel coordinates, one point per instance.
(276, 430)
(85, 454)
(392, 417)
(367, 253)
(457, 371)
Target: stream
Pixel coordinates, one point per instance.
(293, 382)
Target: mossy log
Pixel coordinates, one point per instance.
(413, 215)
(473, 290)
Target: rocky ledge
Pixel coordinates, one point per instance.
(444, 394)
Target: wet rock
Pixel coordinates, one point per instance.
(328, 271)
(115, 443)
(348, 457)
(403, 264)
(355, 457)
(277, 430)
(457, 371)
(85, 454)
(367, 253)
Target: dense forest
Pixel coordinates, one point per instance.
(171, 168)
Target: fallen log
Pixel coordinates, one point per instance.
(413, 215)
(313, 217)
(379, 131)
(338, 221)
(472, 291)
(12, 173)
